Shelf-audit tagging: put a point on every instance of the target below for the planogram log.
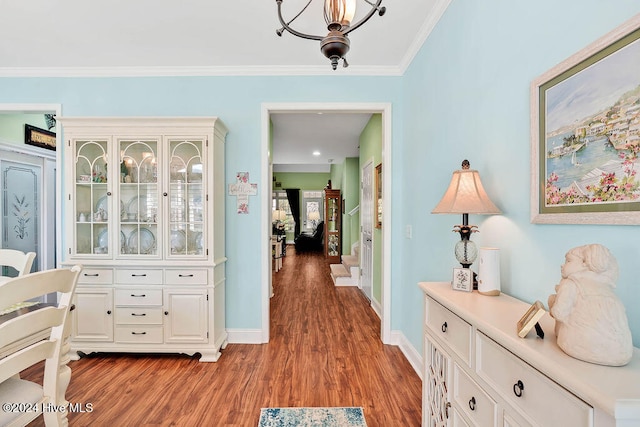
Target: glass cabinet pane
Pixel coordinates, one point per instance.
(92, 201)
(140, 197)
(186, 198)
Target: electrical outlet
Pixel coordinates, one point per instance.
(409, 232)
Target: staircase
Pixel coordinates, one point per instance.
(348, 272)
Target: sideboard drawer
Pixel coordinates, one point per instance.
(186, 277)
(137, 297)
(526, 388)
(139, 315)
(139, 277)
(100, 276)
(473, 401)
(450, 328)
(139, 334)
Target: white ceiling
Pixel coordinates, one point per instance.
(214, 37)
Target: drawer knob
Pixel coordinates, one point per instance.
(472, 403)
(517, 388)
(166, 313)
(108, 311)
(108, 193)
(444, 327)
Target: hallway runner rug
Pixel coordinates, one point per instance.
(312, 417)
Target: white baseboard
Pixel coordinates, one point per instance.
(413, 356)
(245, 336)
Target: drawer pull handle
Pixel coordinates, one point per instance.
(444, 327)
(91, 275)
(517, 388)
(185, 275)
(138, 296)
(138, 333)
(136, 314)
(139, 275)
(472, 403)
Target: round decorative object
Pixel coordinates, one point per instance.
(466, 252)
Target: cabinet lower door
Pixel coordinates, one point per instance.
(92, 317)
(186, 318)
(436, 406)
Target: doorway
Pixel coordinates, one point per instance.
(38, 175)
(384, 110)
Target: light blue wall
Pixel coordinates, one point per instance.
(466, 95)
(237, 101)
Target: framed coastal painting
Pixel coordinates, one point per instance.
(585, 134)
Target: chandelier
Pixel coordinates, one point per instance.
(338, 15)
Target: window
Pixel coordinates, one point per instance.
(280, 202)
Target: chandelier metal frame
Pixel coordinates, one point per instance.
(335, 44)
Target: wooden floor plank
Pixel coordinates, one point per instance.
(324, 350)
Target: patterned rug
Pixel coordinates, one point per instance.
(312, 417)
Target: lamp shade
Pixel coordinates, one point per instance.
(313, 216)
(340, 11)
(465, 195)
(279, 215)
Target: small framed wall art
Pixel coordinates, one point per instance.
(462, 279)
(39, 137)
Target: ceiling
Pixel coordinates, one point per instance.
(117, 38)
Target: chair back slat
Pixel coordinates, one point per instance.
(30, 323)
(19, 260)
(22, 359)
(34, 285)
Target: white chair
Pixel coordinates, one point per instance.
(25, 394)
(19, 260)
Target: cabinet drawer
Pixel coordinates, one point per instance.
(139, 315)
(139, 334)
(527, 389)
(186, 277)
(473, 401)
(139, 277)
(138, 297)
(449, 328)
(96, 275)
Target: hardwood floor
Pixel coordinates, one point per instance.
(325, 350)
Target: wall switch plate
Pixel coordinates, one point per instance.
(409, 232)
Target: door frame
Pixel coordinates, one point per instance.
(57, 110)
(266, 182)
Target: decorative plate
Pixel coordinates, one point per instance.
(178, 241)
(145, 238)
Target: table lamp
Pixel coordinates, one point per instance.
(314, 217)
(466, 195)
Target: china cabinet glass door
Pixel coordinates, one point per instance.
(92, 198)
(139, 197)
(186, 198)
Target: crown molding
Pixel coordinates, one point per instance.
(430, 23)
(204, 71)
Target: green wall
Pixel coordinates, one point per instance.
(313, 181)
(12, 126)
(371, 148)
(351, 196)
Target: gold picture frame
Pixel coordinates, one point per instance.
(530, 318)
(378, 197)
(583, 158)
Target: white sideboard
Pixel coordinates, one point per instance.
(478, 372)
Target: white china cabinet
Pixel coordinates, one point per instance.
(144, 215)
